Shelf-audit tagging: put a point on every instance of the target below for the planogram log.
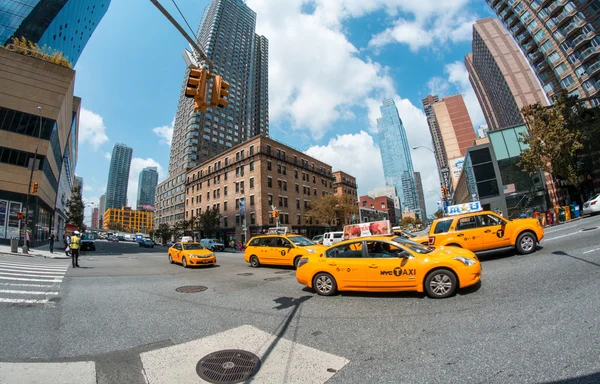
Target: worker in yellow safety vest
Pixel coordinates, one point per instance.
(74, 244)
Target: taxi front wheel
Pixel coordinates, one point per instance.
(254, 263)
(440, 284)
(324, 284)
(526, 243)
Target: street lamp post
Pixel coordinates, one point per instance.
(26, 224)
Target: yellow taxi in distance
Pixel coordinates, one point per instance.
(191, 254)
(424, 239)
(279, 249)
(486, 231)
(388, 263)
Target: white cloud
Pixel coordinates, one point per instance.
(438, 86)
(107, 155)
(87, 188)
(91, 129)
(137, 164)
(90, 202)
(165, 133)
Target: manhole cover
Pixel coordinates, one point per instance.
(281, 272)
(191, 288)
(589, 229)
(272, 278)
(228, 366)
(245, 274)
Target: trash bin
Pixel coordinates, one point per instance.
(567, 212)
(575, 209)
(542, 220)
(14, 245)
(550, 217)
(561, 214)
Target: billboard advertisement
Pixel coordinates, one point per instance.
(14, 224)
(474, 206)
(3, 215)
(367, 229)
(456, 166)
(147, 207)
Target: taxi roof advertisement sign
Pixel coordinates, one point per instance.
(474, 206)
(367, 229)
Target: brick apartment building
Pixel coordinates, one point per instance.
(382, 204)
(246, 181)
(345, 185)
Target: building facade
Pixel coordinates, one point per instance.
(246, 182)
(382, 204)
(389, 191)
(439, 151)
(62, 25)
(118, 176)
(367, 215)
(395, 155)
(560, 40)
(501, 77)
(227, 36)
(147, 187)
(101, 209)
(130, 220)
(345, 185)
(27, 83)
(421, 195)
(95, 218)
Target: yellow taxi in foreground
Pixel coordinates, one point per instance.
(486, 231)
(279, 249)
(388, 263)
(191, 254)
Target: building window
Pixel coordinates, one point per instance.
(252, 183)
(251, 166)
(251, 150)
(270, 199)
(268, 165)
(252, 218)
(225, 206)
(251, 200)
(297, 203)
(225, 191)
(285, 202)
(280, 201)
(225, 223)
(297, 188)
(295, 173)
(269, 182)
(237, 219)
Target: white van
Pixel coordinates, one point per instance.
(330, 238)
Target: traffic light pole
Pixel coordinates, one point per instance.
(25, 246)
(182, 31)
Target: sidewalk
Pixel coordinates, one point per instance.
(42, 251)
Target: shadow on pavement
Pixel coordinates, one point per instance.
(592, 378)
(561, 253)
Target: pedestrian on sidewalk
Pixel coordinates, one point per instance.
(74, 245)
(66, 242)
(232, 243)
(51, 244)
(27, 237)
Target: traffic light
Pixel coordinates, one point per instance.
(20, 215)
(443, 192)
(275, 214)
(35, 187)
(196, 88)
(219, 91)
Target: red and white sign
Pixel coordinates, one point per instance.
(367, 229)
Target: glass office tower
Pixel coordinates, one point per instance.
(395, 155)
(61, 25)
(147, 187)
(118, 176)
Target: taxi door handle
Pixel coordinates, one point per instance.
(460, 234)
(373, 266)
(487, 231)
(333, 264)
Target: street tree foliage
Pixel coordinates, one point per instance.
(115, 226)
(179, 228)
(562, 139)
(75, 208)
(438, 214)
(28, 48)
(163, 232)
(208, 222)
(332, 209)
(406, 221)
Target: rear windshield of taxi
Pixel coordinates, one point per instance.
(442, 226)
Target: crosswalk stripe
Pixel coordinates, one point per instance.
(24, 301)
(28, 274)
(41, 266)
(55, 280)
(33, 271)
(27, 292)
(34, 268)
(27, 285)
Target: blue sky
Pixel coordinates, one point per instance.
(331, 62)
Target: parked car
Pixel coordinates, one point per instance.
(330, 238)
(146, 243)
(213, 244)
(317, 239)
(113, 239)
(592, 206)
(88, 242)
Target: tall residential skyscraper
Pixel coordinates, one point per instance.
(227, 36)
(395, 155)
(147, 187)
(559, 39)
(61, 25)
(436, 137)
(118, 176)
(95, 218)
(503, 81)
(101, 209)
(420, 195)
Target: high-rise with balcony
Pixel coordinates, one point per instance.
(61, 25)
(420, 195)
(147, 187)
(395, 155)
(560, 40)
(436, 136)
(227, 36)
(503, 81)
(118, 176)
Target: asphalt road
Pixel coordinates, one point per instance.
(533, 319)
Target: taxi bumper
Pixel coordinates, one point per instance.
(202, 261)
(469, 276)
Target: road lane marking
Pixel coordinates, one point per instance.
(558, 237)
(39, 266)
(55, 280)
(33, 271)
(28, 274)
(28, 285)
(591, 250)
(24, 301)
(27, 292)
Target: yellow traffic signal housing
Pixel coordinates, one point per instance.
(196, 88)
(35, 187)
(219, 91)
(275, 214)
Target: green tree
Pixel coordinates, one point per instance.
(333, 210)
(439, 213)
(115, 226)
(75, 208)
(209, 221)
(163, 232)
(407, 221)
(28, 48)
(179, 228)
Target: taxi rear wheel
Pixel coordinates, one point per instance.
(296, 261)
(254, 263)
(170, 259)
(440, 284)
(324, 284)
(184, 262)
(526, 243)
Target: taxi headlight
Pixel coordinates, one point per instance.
(465, 260)
(311, 250)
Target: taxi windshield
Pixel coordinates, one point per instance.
(300, 240)
(192, 247)
(413, 246)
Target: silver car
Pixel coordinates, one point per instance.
(592, 206)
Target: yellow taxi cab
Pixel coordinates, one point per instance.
(424, 239)
(486, 231)
(279, 249)
(191, 254)
(388, 263)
